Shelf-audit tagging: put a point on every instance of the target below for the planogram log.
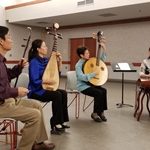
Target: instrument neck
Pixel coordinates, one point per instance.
(54, 44)
(98, 55)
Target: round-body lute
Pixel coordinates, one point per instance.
(94, 64)
(90, 66)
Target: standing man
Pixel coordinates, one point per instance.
(12, 106)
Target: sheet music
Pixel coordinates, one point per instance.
(124, 66)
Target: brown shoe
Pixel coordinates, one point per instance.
(43, 146)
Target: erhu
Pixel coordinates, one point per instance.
(24, 53)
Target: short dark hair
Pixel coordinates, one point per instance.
(149, 49)
(81, 51)
(3, 32)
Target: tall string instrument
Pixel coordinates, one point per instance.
(94, 64)
(25, 50)
(24, 53)
(50, 79)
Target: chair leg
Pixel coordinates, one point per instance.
(84, 103)
(136, 95)
(12, 133)
(84, 108)
(77, 106)
(147, 104)
(137, 104)
(15, 133)
(5, 128)
(11, 136)
(139, 115)
(44, 104)
(72, 100)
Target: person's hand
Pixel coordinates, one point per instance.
(103, 43)
(59, 57)
(23, 63)
(59, 60)
(22, 91)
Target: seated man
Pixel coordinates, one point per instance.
(28, 112)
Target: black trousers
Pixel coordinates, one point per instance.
(100, 97)
(59, 105)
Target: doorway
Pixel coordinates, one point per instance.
(88, 42)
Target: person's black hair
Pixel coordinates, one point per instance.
(3, 32)
(81, 51)
(33, 52)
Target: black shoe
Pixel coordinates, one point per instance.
(101, 115)
(95, 117)
(57, 131)
(61, 129)
(65, 126)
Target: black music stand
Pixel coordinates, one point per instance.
(123, 67)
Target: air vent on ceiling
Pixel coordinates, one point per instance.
(108, 15)
(83, 2)
(89, 1)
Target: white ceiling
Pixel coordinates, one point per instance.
(97, 16)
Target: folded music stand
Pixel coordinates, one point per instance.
(122, 67)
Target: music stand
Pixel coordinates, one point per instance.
(122, 67)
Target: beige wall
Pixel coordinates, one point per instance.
(125, 42)
(2, 16)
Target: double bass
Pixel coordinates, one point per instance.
(94, 64)
(50, 79)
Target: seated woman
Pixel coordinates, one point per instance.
(99, 93)
(37, 64)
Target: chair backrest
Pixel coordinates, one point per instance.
(71, 83)
(23, 80)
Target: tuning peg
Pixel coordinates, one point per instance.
(22, 45)
(56, 25)
(29, 28)
(100, 33)
(59, 35)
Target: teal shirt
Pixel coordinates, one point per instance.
(82, 78)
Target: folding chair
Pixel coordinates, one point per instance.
(71, 89)
(23, 80)
(45, 104)
(87, 106)
(7, 127)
